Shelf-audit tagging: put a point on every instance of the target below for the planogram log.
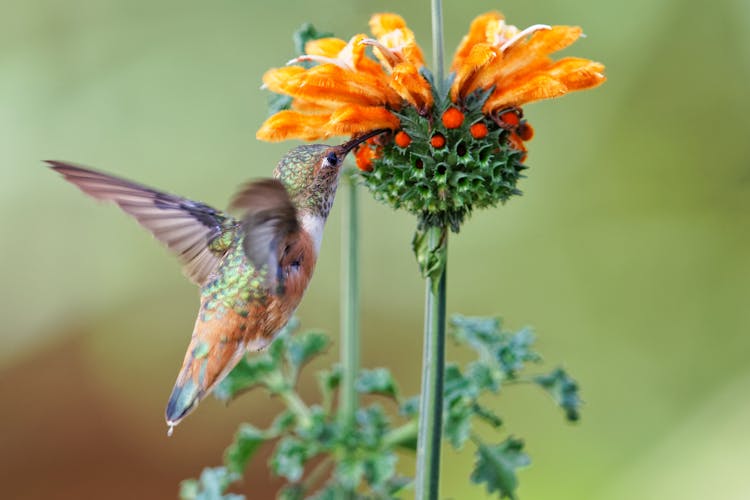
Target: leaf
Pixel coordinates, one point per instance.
(496, 466)
(289, 458)
(431, 256)
(482, 375)
(283, 422)
(247, 374)
(459, 399)
(372, 426)
(515, 350)
(246, 442)
(320, 433)
(377, 381)
(564, 390)
(410, 407)
(304, 347)
(278, 102)
(211, 485)
(379, 468)
(487, 415)
(509, 351)
(348, 473)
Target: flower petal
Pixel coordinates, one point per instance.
(327, 84)
(566, 75)
(393, 34)
(293, 125)
(327, 47)
(477, 34)
(383, 23)
(411, 86)
(354, 119)
(480, 56)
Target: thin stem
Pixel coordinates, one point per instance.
(437, 43)
(350, 311)
(433, 369)
(401, 435)
(298, 407)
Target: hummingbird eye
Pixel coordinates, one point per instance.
(332, 159)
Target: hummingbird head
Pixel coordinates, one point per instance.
(311, 172)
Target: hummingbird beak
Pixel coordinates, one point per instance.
(346, 148)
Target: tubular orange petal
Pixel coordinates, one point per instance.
(577, 73)
(539, 87)
(311, 107)
(383, 23)
(274, 79)
(326, 47)
(354, 119)
(524, 60)
(360, 61)
(293, 125)
(527, 55)
(477, 34)
(392, 32)
(328, 83)
(480, 56)
(411, 86)
(545, 42)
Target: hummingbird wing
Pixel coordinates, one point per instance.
(270, 227)
(190, 229)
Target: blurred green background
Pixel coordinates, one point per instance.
(629, 253)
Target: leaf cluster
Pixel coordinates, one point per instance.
(322, 458)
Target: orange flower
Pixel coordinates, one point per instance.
(517, 63)
(348, 93)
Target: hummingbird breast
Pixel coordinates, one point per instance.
(239, 312)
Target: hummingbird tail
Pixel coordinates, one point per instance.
(214, 350)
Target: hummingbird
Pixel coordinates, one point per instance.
(252, 271)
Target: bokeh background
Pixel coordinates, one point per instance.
(629, 253)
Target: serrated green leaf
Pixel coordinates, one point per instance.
(349, 472)
(564, 390)
(328, 381)
(379, 468)
(372, 424)
(301, 348)
(289, 458)
(246, 442)
(487, 415)
(278, 102)
(212, 485)
(496, 466)
(460, 394)
(377, 381)
(283, 422)
(410, 407)
(482, 376)
(320, 433)
(247, 374)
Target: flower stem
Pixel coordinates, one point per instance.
(433, 369)
(298, 407)
(350, 311)
(437, 44)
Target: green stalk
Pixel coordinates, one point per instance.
(350, 311)
(433, 369)
(433, 357)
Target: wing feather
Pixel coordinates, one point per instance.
(186, 227)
